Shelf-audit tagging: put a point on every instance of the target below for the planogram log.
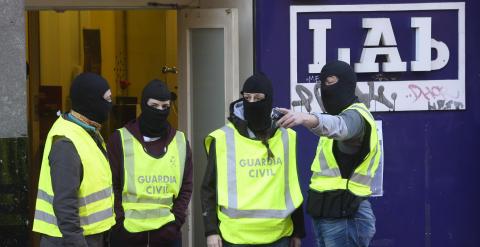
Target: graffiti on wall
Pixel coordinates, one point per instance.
(382, 96)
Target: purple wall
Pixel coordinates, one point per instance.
(431, 164)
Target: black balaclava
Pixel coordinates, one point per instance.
(153, 122)
(257, 114)
(86, 94)
(340, 95)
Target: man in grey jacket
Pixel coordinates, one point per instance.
(348, 145)
(64, 176)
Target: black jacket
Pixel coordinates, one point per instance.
(209, 184)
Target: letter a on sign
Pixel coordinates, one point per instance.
(380, 33)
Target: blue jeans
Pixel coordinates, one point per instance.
(347, 232)
(283, 242)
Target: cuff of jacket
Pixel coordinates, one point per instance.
(75, 241)
(298, 234)
(211, 232)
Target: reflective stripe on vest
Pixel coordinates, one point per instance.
(232, 211)
(129, 164)
(147, 214)
(326, 171)
(331, 170)
(82, 201)
(84, 220)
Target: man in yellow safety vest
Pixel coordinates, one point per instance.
(346, 160)
(74, 205)
(152, 175)
(250, 193)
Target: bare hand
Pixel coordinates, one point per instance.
(295, 242)
(292, 119)
(214, 241)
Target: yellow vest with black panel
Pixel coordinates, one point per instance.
(95, 195)
(151, 184)
(326, 177)
(255, 194)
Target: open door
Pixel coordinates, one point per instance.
(208, 82)
(133, 47)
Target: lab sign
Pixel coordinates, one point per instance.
(408, 57)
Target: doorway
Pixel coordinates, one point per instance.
(127, 47)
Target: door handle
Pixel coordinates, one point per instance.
(167, 69)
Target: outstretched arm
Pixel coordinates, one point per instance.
(348, 124)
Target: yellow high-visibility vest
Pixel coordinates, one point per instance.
(326, 173)
(151, 184)
(256, 194)
(95, 197)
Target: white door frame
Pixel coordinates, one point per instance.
(206, 18)
(188, 19)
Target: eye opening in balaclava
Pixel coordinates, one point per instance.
(86, 95)
(257, 114)
(153, 122)
(338, 96)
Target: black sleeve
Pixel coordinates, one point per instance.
(298, 222)
(298, 215)
(180, 205)
(115, 158)
(209, 194)
(66, 172)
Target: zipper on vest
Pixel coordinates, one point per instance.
(344, 211)
(148, 239)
